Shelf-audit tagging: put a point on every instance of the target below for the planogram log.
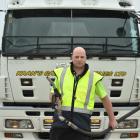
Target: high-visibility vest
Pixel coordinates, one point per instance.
(85, 92)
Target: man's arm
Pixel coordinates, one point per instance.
(108, 106)
(101, 92)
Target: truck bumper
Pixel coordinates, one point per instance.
(41, 129)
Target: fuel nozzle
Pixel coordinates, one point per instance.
(56, 97)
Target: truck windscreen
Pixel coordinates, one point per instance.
(55, 32)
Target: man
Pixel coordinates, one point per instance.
(78, 85)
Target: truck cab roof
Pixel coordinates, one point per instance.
(123, 5)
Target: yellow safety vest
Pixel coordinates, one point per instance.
(85, 92)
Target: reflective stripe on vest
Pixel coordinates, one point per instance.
(90, 83)
(62, 79)
(80, 110)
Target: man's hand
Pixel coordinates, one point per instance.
(108, 106)
(58, 104)
(113, 123)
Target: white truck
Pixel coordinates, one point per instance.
(37, 36)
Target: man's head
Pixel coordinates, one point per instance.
(79, 57)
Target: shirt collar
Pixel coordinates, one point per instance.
(82, 74)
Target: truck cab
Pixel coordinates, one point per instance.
(39, 36)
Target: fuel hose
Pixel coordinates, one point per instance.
(88, 133)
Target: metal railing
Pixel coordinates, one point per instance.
(63, 45)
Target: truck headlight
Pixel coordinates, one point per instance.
(18, 124)
(128, 124)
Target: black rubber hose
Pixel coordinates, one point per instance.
(91, 134)
(98, 134)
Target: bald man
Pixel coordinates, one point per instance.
(78, 86)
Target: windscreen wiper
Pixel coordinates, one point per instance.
(17, 46)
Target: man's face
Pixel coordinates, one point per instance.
(79, 58)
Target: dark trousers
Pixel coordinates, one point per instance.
(67, 134)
